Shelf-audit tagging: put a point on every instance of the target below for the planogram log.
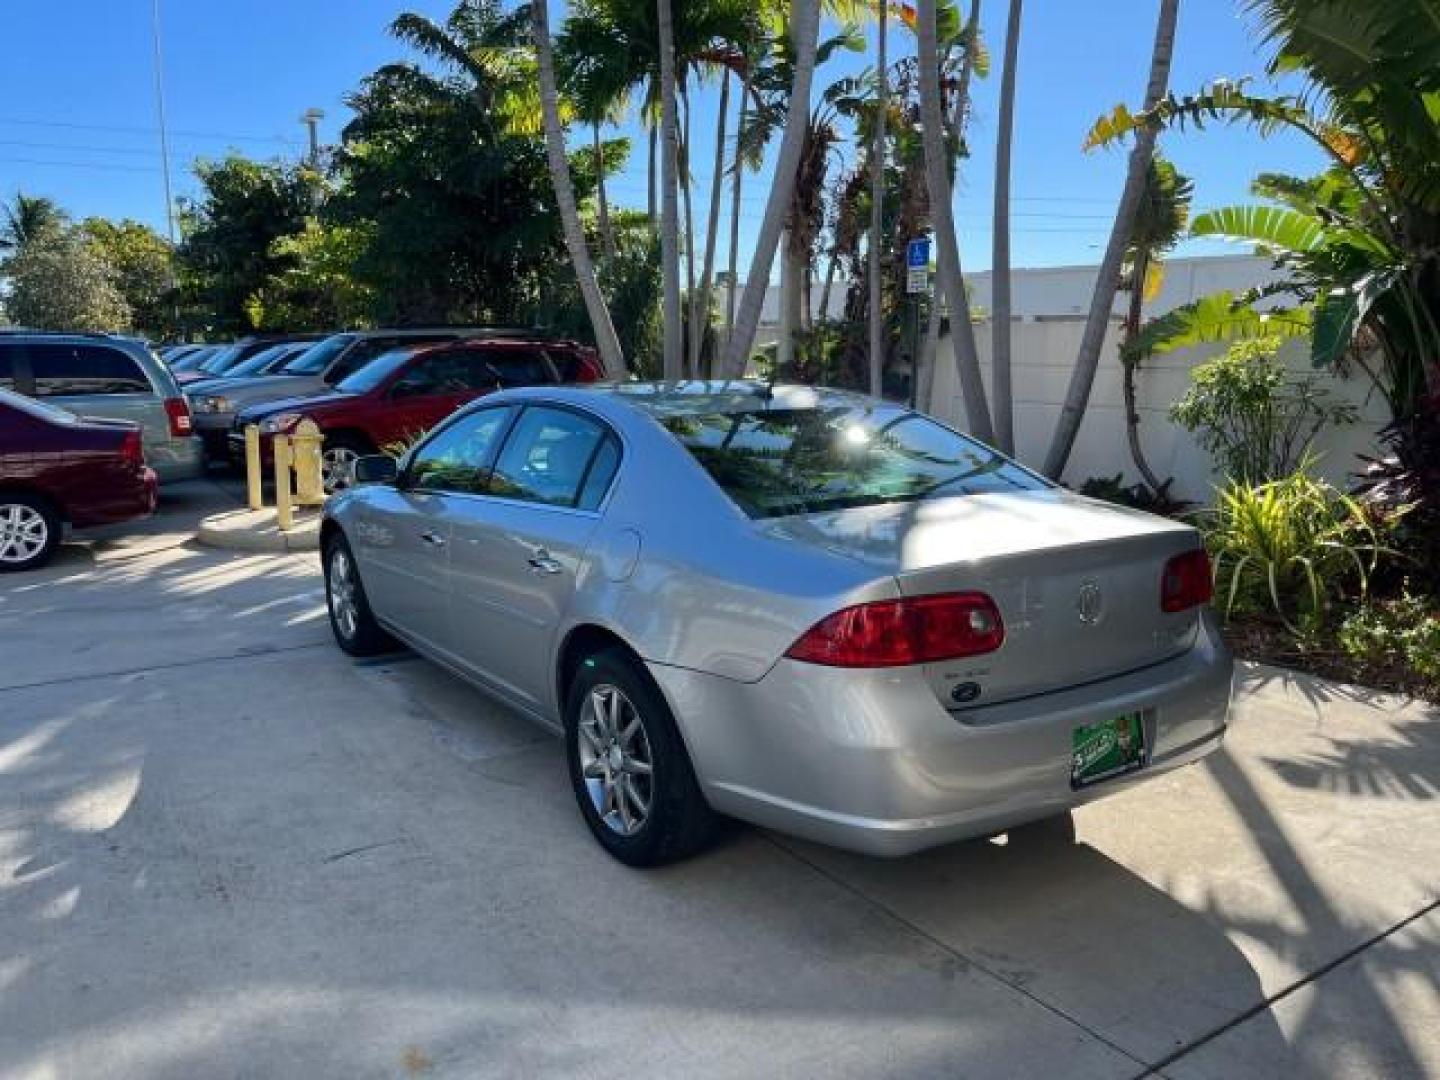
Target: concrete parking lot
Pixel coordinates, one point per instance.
(226, 849)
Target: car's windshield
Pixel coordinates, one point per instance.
(377, 371)
(220, 360)
(317, 357)
(779, 462)
(261, 360)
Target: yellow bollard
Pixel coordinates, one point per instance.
(253, 477)
(284, 508)
(306, 445)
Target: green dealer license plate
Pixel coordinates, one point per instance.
(1109, 748)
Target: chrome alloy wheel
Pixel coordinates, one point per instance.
(341, 589)
(615, 759)
(24, 532)
(337, 468)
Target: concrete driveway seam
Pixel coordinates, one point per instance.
(1273, 999)
(1147, 1070)
(246, 654)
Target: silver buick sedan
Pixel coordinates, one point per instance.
(803, 608)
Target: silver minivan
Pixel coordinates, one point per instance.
(110, 377)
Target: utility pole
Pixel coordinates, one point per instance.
(311, 119)
(165, 153)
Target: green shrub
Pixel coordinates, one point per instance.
(1289, 546)
(1405, 631)
(1255, 418)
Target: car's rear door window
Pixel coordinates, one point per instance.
(777, 462)
(549, 458)
(76, 370)
(497, 369)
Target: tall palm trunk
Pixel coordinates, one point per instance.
(789, 307)
(805, 32)
(607, 235)
(595, 307)
(1128, 365)
(691, 295)
(712, 224)
(674, 347)
(937, 182)
(733, 293)
(1102, 302)
(824, 309)
(650, 204)
(954, 129)
(1000, 260)
(877, 204)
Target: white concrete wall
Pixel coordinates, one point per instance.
(1044, 355)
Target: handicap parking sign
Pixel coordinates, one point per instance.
(917, 252)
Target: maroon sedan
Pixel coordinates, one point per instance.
(398, 396)
(56, 468)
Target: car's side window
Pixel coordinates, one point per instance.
(548, 458)
(601, 472)
(458, 456)
(514, 367)
(438, 373)
(63, 370)
(362, 352)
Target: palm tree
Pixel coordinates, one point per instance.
(28, 218)
(712, 226)
(595, 306)
(1000, 260)
(937, 182)
(672, 355)
(1102, 301)
(877, 198)
(1160, 223)
(805, 33)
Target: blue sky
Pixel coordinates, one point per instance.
(78, 123)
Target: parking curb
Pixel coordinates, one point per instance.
(258, 531)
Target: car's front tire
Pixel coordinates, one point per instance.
(351, 619)
(628, 765)
(29, 532)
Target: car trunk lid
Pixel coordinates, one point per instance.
(1077, 582)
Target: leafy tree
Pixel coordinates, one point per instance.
(144, 268)
(229, 252)
(318, 289)
(457, 195)
(26, 218)
(58, 282)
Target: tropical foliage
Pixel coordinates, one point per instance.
(58, 283)
(1252, 415)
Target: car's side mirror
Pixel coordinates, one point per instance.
(376, 469)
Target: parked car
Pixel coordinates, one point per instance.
(224, 360)
(324, 365)
(192, 359)
(58, 469)
(267, 361)
(117, 378)
(400, 394)
(812, 610)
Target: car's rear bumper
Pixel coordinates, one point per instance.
(214, 432)
(129, 497)
(871, 760)
(179, 457)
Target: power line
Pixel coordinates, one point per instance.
(134, 130)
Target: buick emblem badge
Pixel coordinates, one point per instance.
(1090, 603)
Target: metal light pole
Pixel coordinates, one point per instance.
(311, 119)
(160, 112)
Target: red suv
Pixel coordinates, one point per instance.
(55, 468)
(401, 394)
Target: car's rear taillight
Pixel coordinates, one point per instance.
(590, 369)
(893, 633)
(131, 450)
(1187, 581)
(178, 410)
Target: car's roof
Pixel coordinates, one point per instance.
(698, 397)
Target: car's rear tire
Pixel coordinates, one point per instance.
(628, 766)
(29, 531)
(338, 455)
(351, 620)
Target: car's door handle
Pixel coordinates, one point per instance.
(543, 563)
(434, 539)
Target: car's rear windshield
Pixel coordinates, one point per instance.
(317, 357)
(779, 462)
